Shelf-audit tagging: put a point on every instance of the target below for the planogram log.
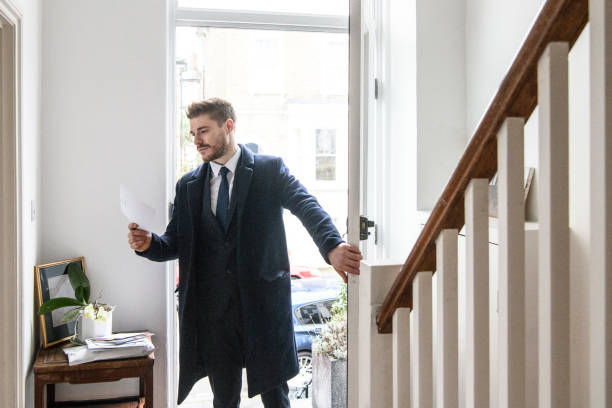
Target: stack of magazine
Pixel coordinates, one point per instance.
(119, 345)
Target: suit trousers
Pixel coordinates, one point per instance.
(224, 350)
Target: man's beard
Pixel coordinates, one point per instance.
(217, 152)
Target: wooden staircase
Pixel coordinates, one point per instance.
(402, 343)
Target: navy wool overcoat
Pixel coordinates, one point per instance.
(263, 187)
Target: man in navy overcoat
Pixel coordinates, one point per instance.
(234, 292)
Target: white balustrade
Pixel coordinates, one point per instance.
(511, 291)
(446, 334)
(421, 357)
(600, 274)
(553, 212)
(476, 348)
(401, 358)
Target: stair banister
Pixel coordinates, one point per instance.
(558, 20)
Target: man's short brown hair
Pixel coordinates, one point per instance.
(217, 109)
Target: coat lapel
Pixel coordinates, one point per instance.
(243, 180)
(195, 190)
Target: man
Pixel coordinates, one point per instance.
(235, 292)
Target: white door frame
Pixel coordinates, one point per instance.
(12, 387)
(189, 17)
(171, 267)
(260, 20)
(355, 97)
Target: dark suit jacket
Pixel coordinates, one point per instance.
(263, 186)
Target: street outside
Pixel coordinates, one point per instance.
(201, 397)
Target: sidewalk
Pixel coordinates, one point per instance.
(201, 397)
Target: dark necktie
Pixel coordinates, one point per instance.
(223, 199)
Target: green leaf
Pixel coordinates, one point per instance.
(71, 314)
(52, 304)
(82, 294)
(79, 281)
(87, 291)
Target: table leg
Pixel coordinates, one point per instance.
(148, 388)
(39, 394)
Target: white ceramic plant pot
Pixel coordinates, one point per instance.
(328, 382)
(89, 328)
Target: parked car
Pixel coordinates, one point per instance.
(312, 301)
(303, 272)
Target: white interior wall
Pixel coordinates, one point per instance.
(31, 153)
(399, 225)
(104, 117)
(440, 72)
(494, 32)
(441, 95)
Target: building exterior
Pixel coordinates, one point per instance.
(289, 90)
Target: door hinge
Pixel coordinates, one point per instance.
(364, 226)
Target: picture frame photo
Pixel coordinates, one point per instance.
(52, 282)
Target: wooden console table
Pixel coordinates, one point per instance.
(51, 367)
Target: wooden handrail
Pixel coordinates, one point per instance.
(559, 20)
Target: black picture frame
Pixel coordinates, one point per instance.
(51, 282)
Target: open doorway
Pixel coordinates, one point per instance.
(289, 86)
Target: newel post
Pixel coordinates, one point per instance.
(375, 349)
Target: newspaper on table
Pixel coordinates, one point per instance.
(119, 340)
(115, 346)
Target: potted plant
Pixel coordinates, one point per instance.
(94, 319)
(329, 359)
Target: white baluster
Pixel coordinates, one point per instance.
(511, 297)
(476, 368)
(422, 364)
(401, 358)
(553, 212)
(600, 274)
(446, 361)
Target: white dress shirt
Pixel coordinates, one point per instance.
(215, 179)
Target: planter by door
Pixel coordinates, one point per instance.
(88, 328)
(328, 382)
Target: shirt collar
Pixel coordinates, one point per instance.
(231, 164)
